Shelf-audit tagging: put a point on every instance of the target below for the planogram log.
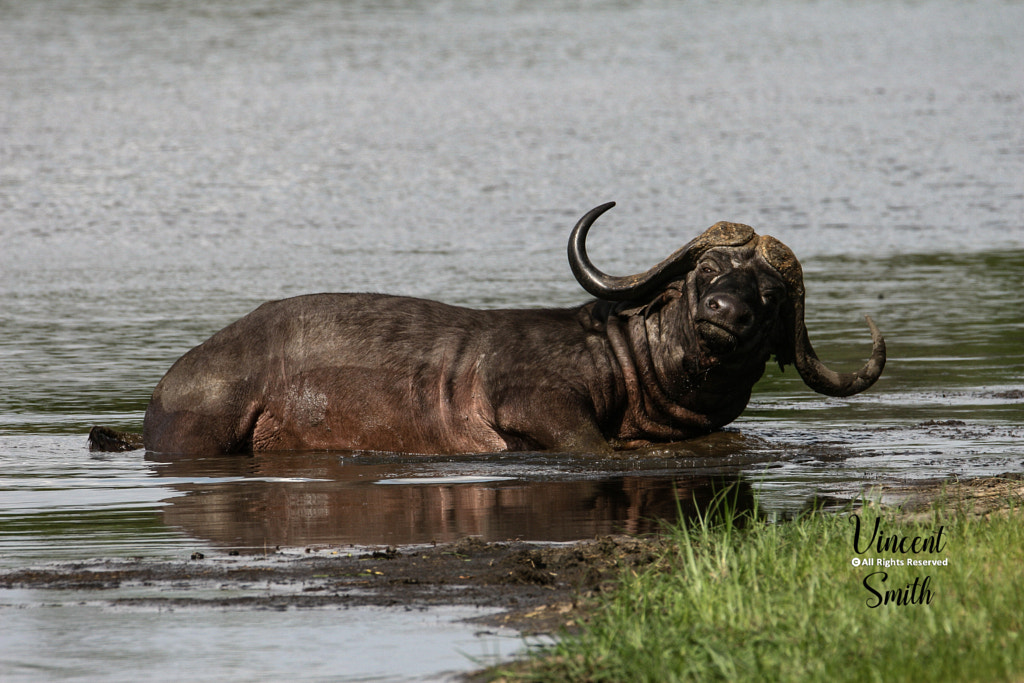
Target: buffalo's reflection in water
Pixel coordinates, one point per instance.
(303, 499)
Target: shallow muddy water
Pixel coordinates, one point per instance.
(166, 167)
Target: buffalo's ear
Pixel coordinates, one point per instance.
(664, 298)
(784, 262)
(783, 344)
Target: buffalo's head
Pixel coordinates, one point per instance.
(743, 293)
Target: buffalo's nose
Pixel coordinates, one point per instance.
(728, 310)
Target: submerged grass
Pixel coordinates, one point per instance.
(737, 598)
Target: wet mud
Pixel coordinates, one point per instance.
(539, 588)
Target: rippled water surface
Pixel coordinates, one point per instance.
(165, 167)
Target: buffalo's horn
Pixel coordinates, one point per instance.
(829, 382)
(813, 371)
(627, 287)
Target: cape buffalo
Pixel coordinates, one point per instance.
(659, 356)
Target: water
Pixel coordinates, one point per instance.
(165, 167)
(356, 644)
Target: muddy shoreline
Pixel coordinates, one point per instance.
(538, 588)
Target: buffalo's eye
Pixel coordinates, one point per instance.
(771, 297)
(708, 269)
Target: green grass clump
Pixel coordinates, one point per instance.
(743, 599)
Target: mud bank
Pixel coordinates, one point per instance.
(983, 497)
(539, 588)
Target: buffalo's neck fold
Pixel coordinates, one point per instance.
(673, 389)
(651, 411)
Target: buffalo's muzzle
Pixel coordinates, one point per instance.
(724, 319)
(716, 338)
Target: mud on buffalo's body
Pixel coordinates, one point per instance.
(659, 356)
